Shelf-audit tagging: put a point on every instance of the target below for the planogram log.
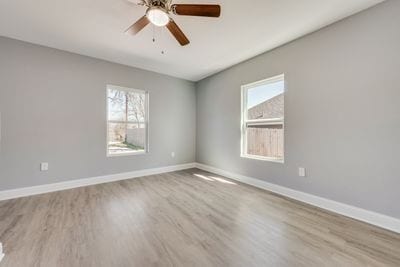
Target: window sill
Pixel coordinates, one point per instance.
(274, 160)
(126, 154)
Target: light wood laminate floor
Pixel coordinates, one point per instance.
(185, 218)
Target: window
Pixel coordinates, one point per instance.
(263, 119)
(127, 121)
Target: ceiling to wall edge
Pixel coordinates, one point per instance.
(286, 43)
(96, 58)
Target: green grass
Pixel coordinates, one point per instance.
(126, 145)
(132, 146)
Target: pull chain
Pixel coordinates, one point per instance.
(154, 39)
(160, 32)
(163, 40)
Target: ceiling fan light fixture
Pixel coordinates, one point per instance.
(157, 16)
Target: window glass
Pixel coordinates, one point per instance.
(263, 119)
(126, 121)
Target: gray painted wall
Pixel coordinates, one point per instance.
(53, 109)
(342, 112)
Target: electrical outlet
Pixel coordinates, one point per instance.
(173, 154)
(302, 172)
(44, 166)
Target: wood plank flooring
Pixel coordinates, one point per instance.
(185, 218)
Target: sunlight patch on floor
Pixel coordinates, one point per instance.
(222, 180)
(213, 179)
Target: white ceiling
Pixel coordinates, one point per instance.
(245, 29)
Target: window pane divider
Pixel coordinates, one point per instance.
(129, 122)
(264, 122)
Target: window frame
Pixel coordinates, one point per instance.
(245, 122)
(146, 122)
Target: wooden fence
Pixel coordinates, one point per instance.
(266, 142)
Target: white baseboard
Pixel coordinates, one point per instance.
(40, 189)
(1, 252)
(370, 217)
(377, 219)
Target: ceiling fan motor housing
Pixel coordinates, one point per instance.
(159, 3)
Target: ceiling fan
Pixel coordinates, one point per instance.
(158, 13)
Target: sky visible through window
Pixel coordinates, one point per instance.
(262, 93)
(117, 105)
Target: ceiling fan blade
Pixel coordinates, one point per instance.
(138, 26)
(177, 33)
(197, 10)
